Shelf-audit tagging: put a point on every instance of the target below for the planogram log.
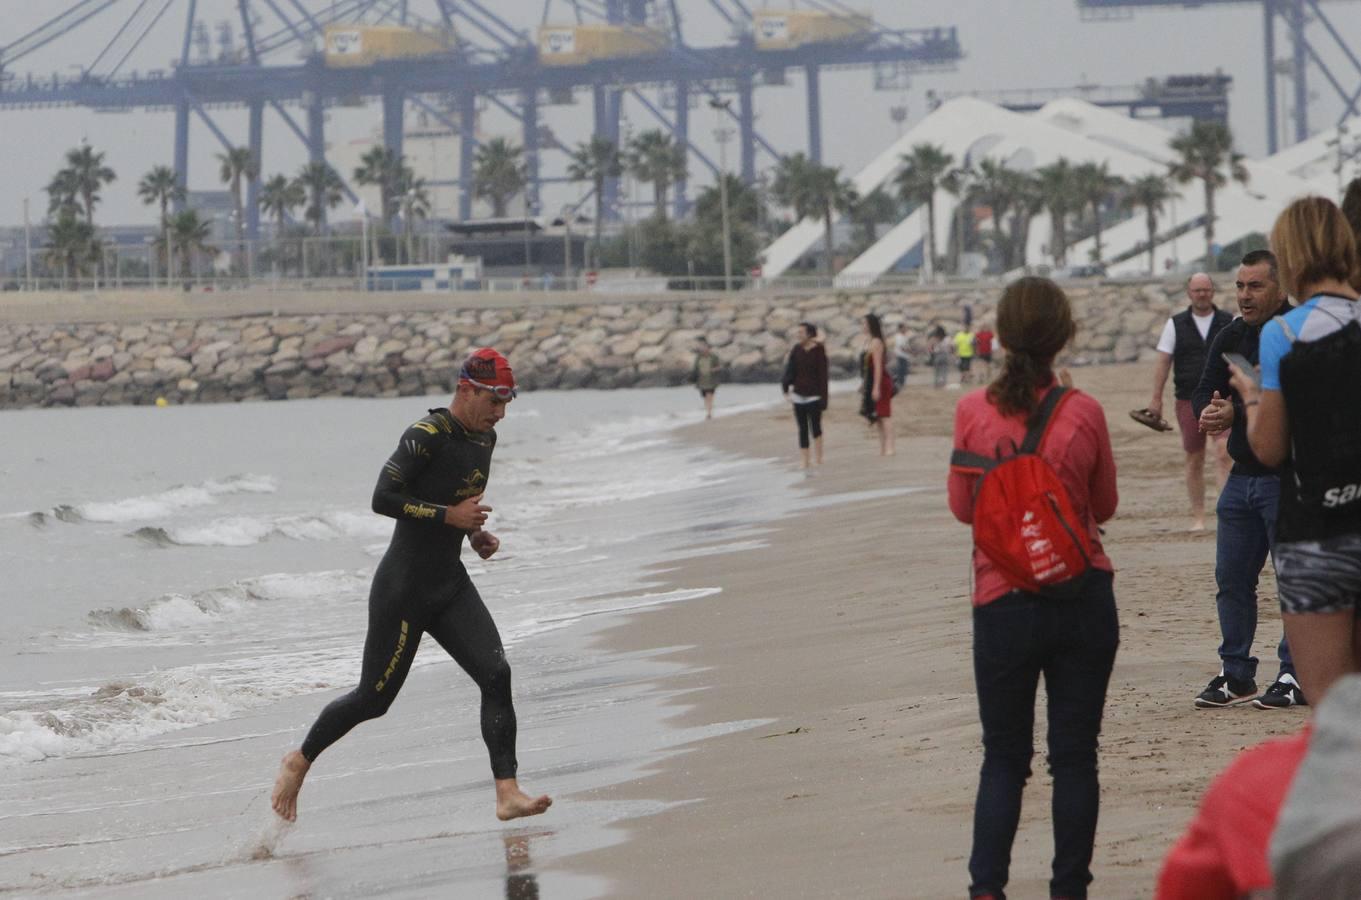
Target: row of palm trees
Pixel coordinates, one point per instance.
(1072, 194)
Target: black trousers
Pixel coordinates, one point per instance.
(809, 417)
(1072, 643)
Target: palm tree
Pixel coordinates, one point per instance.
(959, 182)
(813, 190)
(1149, 192)
(1027, 200)
(279, 196)
(71, 243)
(89, 175)
(656, 158)
(1095, 185)
(415, 199)
(63, 193)
(596, 162)
(238, 163)
(382, 168)
(1207, 153)
(994, 186)
(924, 167)
(870, 210)
(189, 234)
(1058, 185)
(498, 174)
(161, 186)
(324, 189)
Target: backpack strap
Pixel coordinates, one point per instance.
(1043, 417)
(971, 463)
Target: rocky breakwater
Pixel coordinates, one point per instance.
(642, 342)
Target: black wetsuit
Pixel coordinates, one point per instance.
(422, 587)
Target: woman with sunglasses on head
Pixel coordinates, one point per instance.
(433, 486)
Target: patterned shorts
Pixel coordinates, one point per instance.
(1319, 576)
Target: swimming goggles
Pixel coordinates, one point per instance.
(500, 391)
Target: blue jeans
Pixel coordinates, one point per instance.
(901, 366)
(1073, 643)
(1245, 535)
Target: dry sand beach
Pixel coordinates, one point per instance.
(850, 632)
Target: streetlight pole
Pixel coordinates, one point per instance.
(28, 250)
(567, 213)
(724, 134)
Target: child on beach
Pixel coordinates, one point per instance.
(1019, 635)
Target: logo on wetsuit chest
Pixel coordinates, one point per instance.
(473, 484)
(418, 510)
(396, 658)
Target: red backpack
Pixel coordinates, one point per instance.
(1024, 520)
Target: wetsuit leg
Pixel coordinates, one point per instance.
(389, 649)
(467, 633)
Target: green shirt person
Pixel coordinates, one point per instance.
(705, 375)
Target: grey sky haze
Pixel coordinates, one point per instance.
(1007, 44)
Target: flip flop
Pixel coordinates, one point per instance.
(1146, 417)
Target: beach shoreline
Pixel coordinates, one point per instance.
(849, 631)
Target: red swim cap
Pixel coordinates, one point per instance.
(489, 368)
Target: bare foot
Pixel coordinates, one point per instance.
(292, 771)
(1198, 525)
(513, 803)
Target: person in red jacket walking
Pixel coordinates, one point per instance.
(1018, 635)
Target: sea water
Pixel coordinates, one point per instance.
(182, 589)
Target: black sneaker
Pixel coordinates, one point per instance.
(1225, 691)
(1284, 693)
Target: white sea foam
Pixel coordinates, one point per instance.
(168, 502)
(243, 531)
(117, 712)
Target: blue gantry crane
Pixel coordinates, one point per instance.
(444, 56)
(1297, 15)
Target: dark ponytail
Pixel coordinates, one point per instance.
(1034, 322)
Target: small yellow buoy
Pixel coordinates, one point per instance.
(161, 401)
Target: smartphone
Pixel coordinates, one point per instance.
(1247, 368)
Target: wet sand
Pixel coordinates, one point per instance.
(850, 632)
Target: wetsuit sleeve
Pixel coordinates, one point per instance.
(1215, 376)
(392, 495)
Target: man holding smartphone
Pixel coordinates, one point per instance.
(1247, 504)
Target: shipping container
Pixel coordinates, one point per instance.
(362, 45)
(787, 29)
(567, 45)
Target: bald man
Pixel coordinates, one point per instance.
(1182, 350)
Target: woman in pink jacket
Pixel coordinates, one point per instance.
(1018, 635)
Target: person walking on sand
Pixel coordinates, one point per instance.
(433, 486)
(983, 340)
(1246, 514)
(963, 345)
(1070, 637)
(938, 354)
(902, 356)
(705, 375)
(805, 385)
(1303, 417)
(1182, 350)
(877, 385)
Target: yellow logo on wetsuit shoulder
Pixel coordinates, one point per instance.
(418, 511)
(396, 658)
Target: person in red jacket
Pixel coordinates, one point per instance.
(1223, 854)
(1018, 635)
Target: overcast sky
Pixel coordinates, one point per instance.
(1007, 44)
